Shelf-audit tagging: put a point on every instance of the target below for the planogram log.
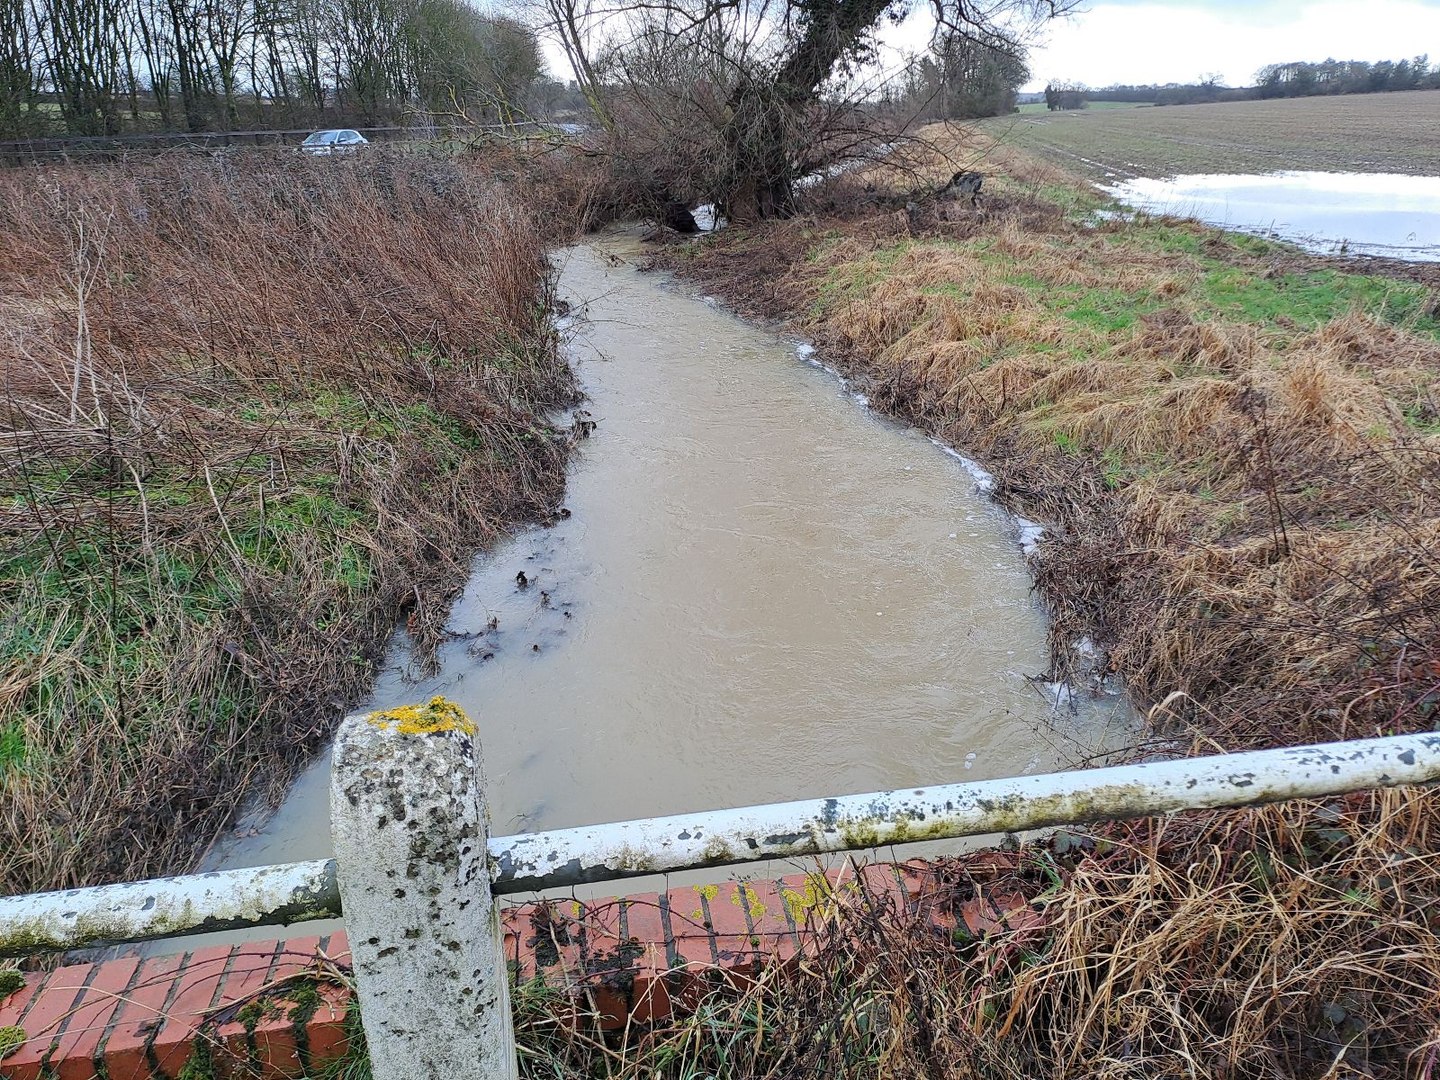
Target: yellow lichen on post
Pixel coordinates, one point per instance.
(436, 715)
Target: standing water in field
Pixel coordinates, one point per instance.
(1383, 214)
(758, 590)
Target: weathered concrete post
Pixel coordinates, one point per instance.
(410, 824)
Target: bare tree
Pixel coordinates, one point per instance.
(773, 89)
(574, 24)
(20, 63)
(81, 54)
(226, 26)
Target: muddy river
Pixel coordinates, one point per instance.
(762, 591)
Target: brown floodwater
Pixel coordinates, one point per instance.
(763, 591)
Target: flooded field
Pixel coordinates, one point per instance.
(757, 590)
(1333, 213)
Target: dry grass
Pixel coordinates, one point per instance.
(1299, 940)
(255, 412)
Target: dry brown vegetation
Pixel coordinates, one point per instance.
(1295, 941)
(256, 410)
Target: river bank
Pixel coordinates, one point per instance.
(730, 612)
(1232, 443)
(1232, 447)
(258, 412)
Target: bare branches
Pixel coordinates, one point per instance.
(736, 103)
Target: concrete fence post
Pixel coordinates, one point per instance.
(409, 819)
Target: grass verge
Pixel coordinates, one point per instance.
(255, 412)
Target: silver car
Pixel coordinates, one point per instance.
(336, 141)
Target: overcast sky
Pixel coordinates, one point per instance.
(1160, 41)
(1152, 41)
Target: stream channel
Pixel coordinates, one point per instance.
(764, 591)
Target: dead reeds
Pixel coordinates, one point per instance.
(255, 412)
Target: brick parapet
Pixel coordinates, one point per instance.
(272, 1009)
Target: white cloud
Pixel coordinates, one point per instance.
(1160, 43)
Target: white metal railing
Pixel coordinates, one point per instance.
(408, 817)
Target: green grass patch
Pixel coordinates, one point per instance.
(1422, 418)
(1166, 238)
(1105, 311)
(1311, 298)
(1079, 203)
(848, 281)
(1250, 293)
(12, 746)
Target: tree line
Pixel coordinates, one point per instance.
(104, 67)
(961, 78)
(727, 101)
(1301, 79)
(1295, 78)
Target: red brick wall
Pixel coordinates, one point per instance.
(268, 1009)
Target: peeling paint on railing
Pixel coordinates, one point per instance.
(172, 907)
(168, 907)
(593, 853)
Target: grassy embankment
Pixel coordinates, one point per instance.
(1235, 449)
(1234, 444)
(256, 411)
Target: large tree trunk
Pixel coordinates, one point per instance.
(766, 136)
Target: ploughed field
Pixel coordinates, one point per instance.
(1386, 133)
